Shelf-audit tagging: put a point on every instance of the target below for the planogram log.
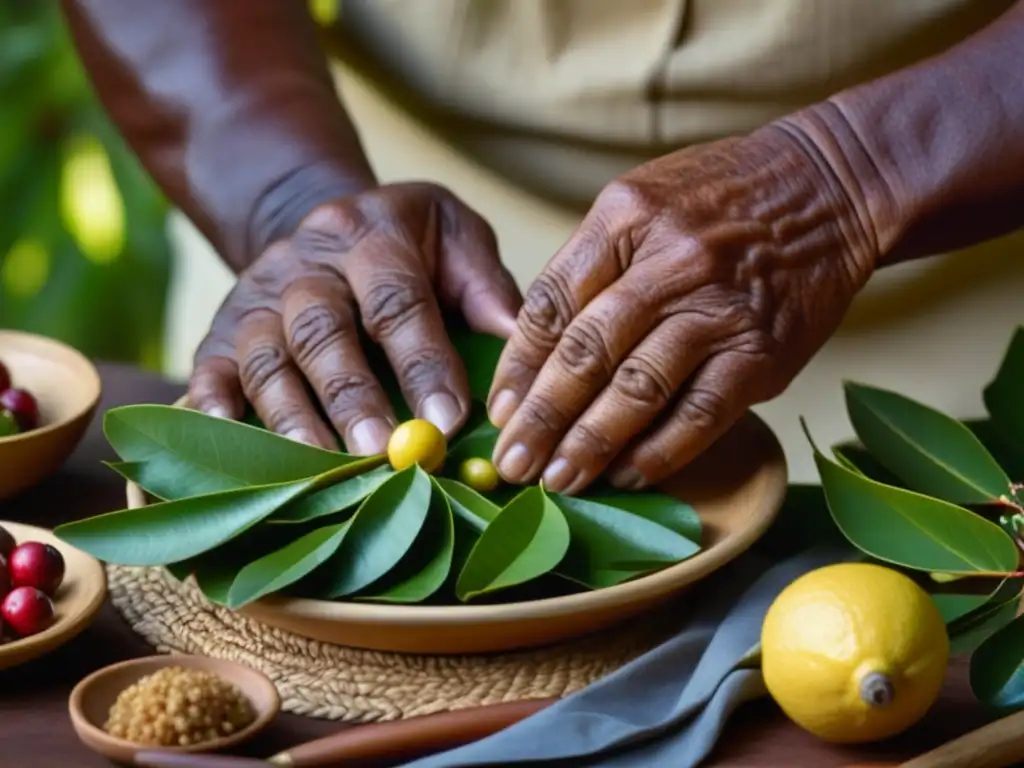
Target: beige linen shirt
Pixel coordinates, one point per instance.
(561, 96)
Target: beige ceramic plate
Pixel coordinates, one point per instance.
(76, 602)
(92, 698)
(737, 488)
(66, 386)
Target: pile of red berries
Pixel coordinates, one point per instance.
(19, 411)
(30, 575)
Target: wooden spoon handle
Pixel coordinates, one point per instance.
(406, 738)
(996, 745)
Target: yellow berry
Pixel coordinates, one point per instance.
(417, 442)
(479, 474)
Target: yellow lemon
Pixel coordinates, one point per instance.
(479, 474)
(854, 652)
(417, 442)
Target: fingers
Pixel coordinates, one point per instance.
(471, 277)
(587, 264)
(214, 387)
(272, 382)
(644, 385)
(582, 364)
(400, 313)
(719, 394)
(322, 337)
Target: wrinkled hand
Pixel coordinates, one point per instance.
(391, 258)
(698, 285)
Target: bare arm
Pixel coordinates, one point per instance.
(230, 107)
(933, 155)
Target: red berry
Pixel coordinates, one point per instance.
(7, 542)
(33, 564)
(22, 405)
(27, 611)
(5, 378)
(5, 580)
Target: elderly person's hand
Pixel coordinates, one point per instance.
(391, 258)
(698, 285)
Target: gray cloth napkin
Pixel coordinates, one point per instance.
(667, 707)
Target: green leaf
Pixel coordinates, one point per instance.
(1002, 395)
(527, 539)
(172, 531)
(971, 630)
(383, 529)
(333, 499)
(287, 565)
(854, 456)
(479, 353)
(427, 564)
(929, 451)
(997, 667)
(659, 508)
(909, 529)
(954, 606)
(476, 440)
(473, 508)
(609, 545)
(1010, 457)
(190, 454)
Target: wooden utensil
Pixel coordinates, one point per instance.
(377, 742)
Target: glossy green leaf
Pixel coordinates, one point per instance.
(853, 455)
(467, 504)
(954, 607)
(1009, 456)
(214, 579)
(382, 531)
(909, 529)
(1002, 395)
(427, 564)
(929, 451)
(659, 508)
(333, 499)
(527, 539)
(287, 565)
(971, 630)
(997, 667)
(172, 531)
(609, 545)
(188, 453)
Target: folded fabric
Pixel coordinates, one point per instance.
(667, 707)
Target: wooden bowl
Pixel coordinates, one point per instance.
(92, 698)
(67, 388)
(737, 488)
(76, 603)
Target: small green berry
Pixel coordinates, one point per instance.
(479, 474)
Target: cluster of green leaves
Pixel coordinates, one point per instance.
(941, 498)
(84, 251)
(250, 513)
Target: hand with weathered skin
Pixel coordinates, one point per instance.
(698, 285)
(391, 259)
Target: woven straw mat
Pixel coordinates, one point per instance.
(338, 683)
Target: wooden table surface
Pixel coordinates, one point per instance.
(35, 731)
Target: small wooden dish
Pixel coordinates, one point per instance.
(66, 386)
(77, 601)
(90, 702)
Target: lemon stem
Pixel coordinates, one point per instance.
(876, 689)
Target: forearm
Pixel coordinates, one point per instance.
(933, 155)
(230, 107)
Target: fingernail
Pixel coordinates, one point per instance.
(502, 408)
(218, 412)
(369, 437)
(559, 475)
(302, 436)
(442, 411)
(515, 463)
(629, 479)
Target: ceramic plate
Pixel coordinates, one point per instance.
(737, 488)
(76, 602)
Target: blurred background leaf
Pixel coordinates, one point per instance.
(84, 250)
